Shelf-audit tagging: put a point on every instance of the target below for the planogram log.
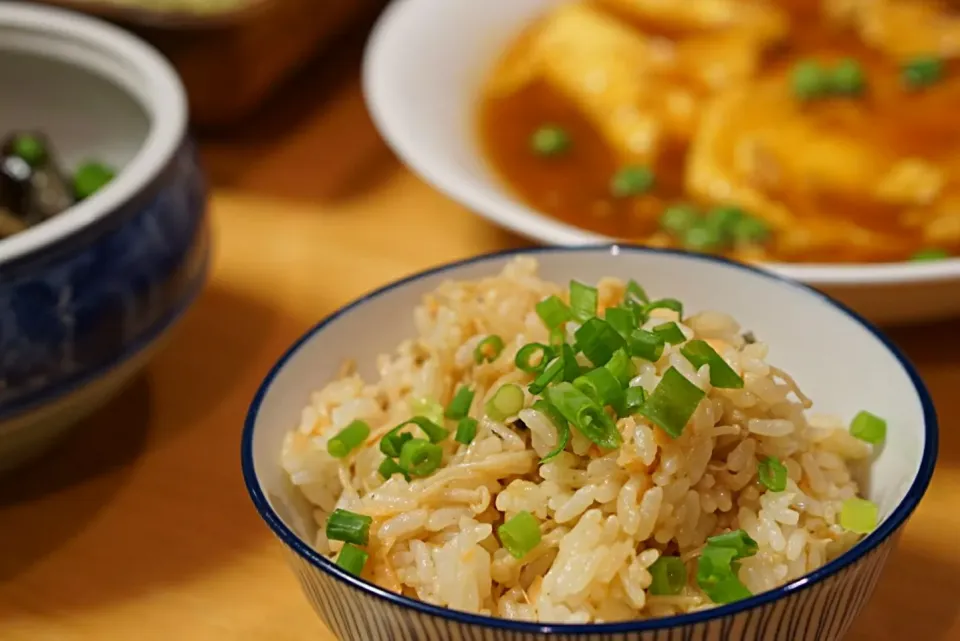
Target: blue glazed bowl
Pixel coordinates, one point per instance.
(840, 360)
(85, 296)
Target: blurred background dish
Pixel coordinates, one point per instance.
(534, 147)
(86, 293)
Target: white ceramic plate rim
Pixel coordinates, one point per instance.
(512, 214)
(167, 108)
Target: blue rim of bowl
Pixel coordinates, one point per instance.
(893, 523)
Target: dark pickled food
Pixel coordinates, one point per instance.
(33, 185)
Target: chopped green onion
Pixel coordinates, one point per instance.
(428, 408)
(533, 357)
(505, 402)
(466, 430)
(645, 345)
(558, 336)
(553, 312)
(631, 181)
(699, 353)
(670, 333)
(724, 219)
(549, 140)
(869, 427)
(552, 372)
(622, 367)
(921, 72)
(460, 405)
(635, 398)
(673, 402)
(389, 467)
(929, 255)
(622, 319)
(716, 575)
(737, 540)
(90, 178)
(749, 230)
(394, 440)
(348, 439)
(563, 427)
(847, 78)
(702, 238)
(571, 368)
(636, 292)
(420, 457)
(598, 340)
(669, 576)
(585, 414)
(772, 474)
(520, 534)
(583, 300)
(666, 303)
(352, 559)
(677, 219)
(30, 149)
(488, 349)
(859, 515)
(343, 525)
(809, 80)
(602, 387)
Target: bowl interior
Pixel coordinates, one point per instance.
(838, 361)
(84, 115)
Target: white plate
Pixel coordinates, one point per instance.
(422, 74)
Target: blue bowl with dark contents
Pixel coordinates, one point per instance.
(103, 235)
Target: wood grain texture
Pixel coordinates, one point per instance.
(139, 527)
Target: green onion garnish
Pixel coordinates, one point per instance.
(571, 368)
(553, 312)
(809, 80)
(932, 254)
(673, 402)
(749, 230)
(636, 292)
(772, 474)
(622, 319)
(585, 414)
(520, 534)
(859, 515)
(30, 149)
(869, 427)
(603, 388)
(563, 427)
(677, 219)
(669, 576)
(343, 525)
(90, 178)
(420, 457)
(389, 467)
(505, 402)
(460, 405)
(635, 397)
(699, 353)
(549, 140)
(558, 336)
(717, 577)
(598, 340)
(646, 345)
(921, 72)
(352, 559)
(466, 430)
(348, 439)
(394, 440)
(666, 303)
(702, 238)
(488, 349)
(622, 367)
(737, 540)
(427, 408)
(847, 78)
(670, 333)
(583, 300)
(552, 372)
(533, 357)
(631, 181)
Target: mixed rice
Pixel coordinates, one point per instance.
(576, 455)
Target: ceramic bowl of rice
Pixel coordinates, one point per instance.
(590, 443)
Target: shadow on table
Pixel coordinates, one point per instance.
(916, 599)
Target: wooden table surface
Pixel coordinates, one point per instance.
(139, 527)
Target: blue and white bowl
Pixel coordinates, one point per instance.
(840, 360)
(85, 295)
